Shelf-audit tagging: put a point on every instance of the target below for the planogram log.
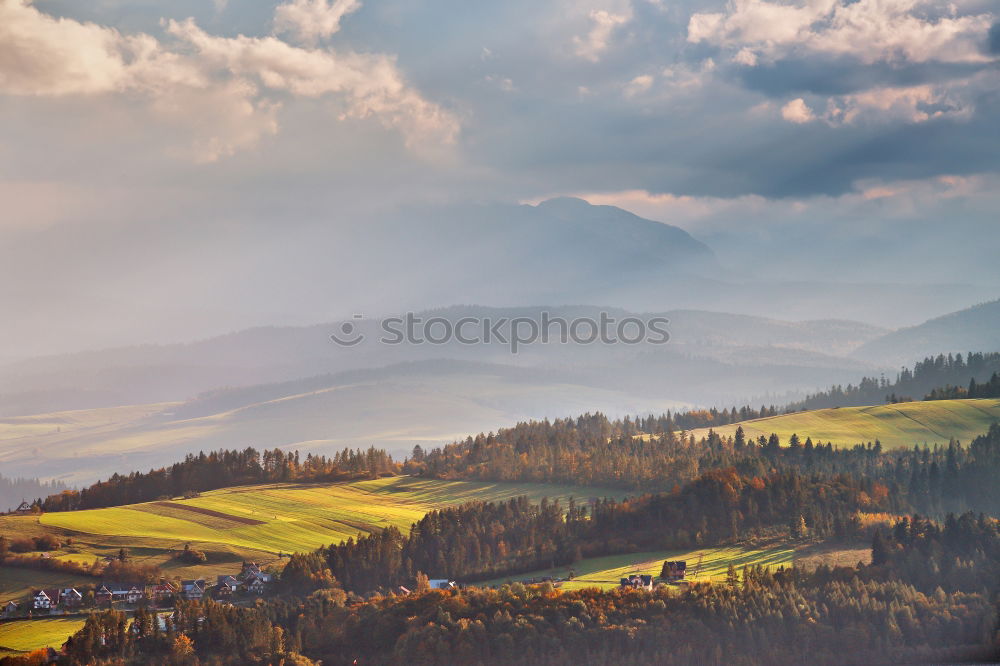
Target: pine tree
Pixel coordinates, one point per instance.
(880, 549)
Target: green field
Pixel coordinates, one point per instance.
(606, 572)
(27, 635)
(255, 522)
(896, 426)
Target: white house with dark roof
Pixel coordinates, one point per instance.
(45, 599)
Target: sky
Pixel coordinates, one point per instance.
(156, 157)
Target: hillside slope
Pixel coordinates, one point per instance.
(972, 329)
(253, 522)
(896, 426)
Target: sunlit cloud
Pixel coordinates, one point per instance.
(869, 30)
(228, 89)
(603, 25)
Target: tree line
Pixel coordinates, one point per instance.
(926, 376)
(987, 389)
(222, 469)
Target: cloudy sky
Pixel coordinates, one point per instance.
(142, 142)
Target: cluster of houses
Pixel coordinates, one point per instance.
(673, 571)
(250, 580)
(637, 582)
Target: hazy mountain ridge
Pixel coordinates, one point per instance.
(422, 257)
(156, 373)
(972, 329)
(394, 407)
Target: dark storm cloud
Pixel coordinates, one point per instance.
(994, 39)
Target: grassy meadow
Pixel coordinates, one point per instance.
(27, 635)
(253, 522)
(897, 426)
(606, 572)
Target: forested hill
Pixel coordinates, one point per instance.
(931, 374)
(592, 449)
(927, 596)
(222, 469)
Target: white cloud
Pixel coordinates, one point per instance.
(226, 90)
(912, 104)
(870, 30)
(797, 111)
(312, 20)
(638, 85)
(745, 56)
(907, 104)
(42, 55)
(371, 83)
(603, 24)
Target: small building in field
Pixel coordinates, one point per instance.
(674, 570)
(10, 609)
(23, 509)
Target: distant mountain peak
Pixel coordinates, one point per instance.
(565, 203)
(633, 233)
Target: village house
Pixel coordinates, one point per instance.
(129, 593)
(70, 598)
(226, 586)
(45, 599)
(249, 569)
(637, 582)
(193, 589)
(23, 509)
(674, 570)
(441, 584)
(161, 592)
(254, 580)
(10, 609)
(255, 583)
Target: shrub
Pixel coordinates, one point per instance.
(46, 542)
(191, 556)
(22, 545)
